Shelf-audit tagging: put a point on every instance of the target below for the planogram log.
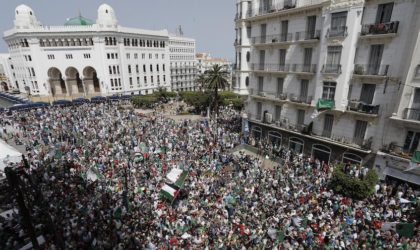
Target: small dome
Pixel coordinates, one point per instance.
(106, 16)
(24, 10)
(25, 17)
(79, 21)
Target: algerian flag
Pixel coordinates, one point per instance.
(415, 161)
(169, 192)
(177, 177)
(322, 105)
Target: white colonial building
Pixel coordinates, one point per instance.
(183, 63)
(206, 62)
(86, 58)
(358, 60)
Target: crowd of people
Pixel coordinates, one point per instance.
(99, 169)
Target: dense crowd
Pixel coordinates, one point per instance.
(100, 169)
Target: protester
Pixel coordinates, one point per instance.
(100, 170)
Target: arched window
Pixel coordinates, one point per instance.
(352, 158)
(247, 81)
(296, 145)
(321, 152)
(248, 56)
(274, 138)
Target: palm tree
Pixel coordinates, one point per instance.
(201, 81)
(216, 78)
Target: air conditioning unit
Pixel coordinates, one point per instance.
(261, 94)
(278, 123)
(354, 105)
(269, 118)
(294, 99)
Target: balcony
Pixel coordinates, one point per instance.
(380, 30)
(411, 114)
(370, 71)
(272, 40)
(237, 42)
(304, 69)
(238, 16)
(337, 32)
(270, 68)
(333, 69)
(300, 100)
(285, 7)
(269, 96)
(284, 123)
(362, 108)
(308, 36)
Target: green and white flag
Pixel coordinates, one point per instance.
(177, 177)
(415, 161)
(169, 192)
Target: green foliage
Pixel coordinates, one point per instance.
(146, 101)
(228, 95)
(163, 94)
(354, 188)
(199, 100)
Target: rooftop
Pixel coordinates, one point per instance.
(79, 21)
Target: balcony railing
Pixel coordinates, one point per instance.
(362, 107)
(371, 69)
(281, 6)
(249, 13)
(380, 28)
(284, 5)
(411, 114)
(304, 68)
(300, 98)
(337, 31)
(270, 67)
(287, 37)
(331, 68)
(237, 42)
(268, 94)
(307, 35)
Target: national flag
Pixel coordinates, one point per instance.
(415, 161)
(169, 192)
(321, 106)
(177, 177)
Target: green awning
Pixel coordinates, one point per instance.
(416, 157)
(324, 104)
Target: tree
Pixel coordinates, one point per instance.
(352, 187)
(216, 79)
(201, 81)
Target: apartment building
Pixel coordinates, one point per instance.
(183, 62)
(331, 78)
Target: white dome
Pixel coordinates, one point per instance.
(23, 10)
(106, 16)
(25, 16)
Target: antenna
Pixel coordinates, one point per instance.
(179, 31)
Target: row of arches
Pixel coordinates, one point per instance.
(74, 83)
(318, 151)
